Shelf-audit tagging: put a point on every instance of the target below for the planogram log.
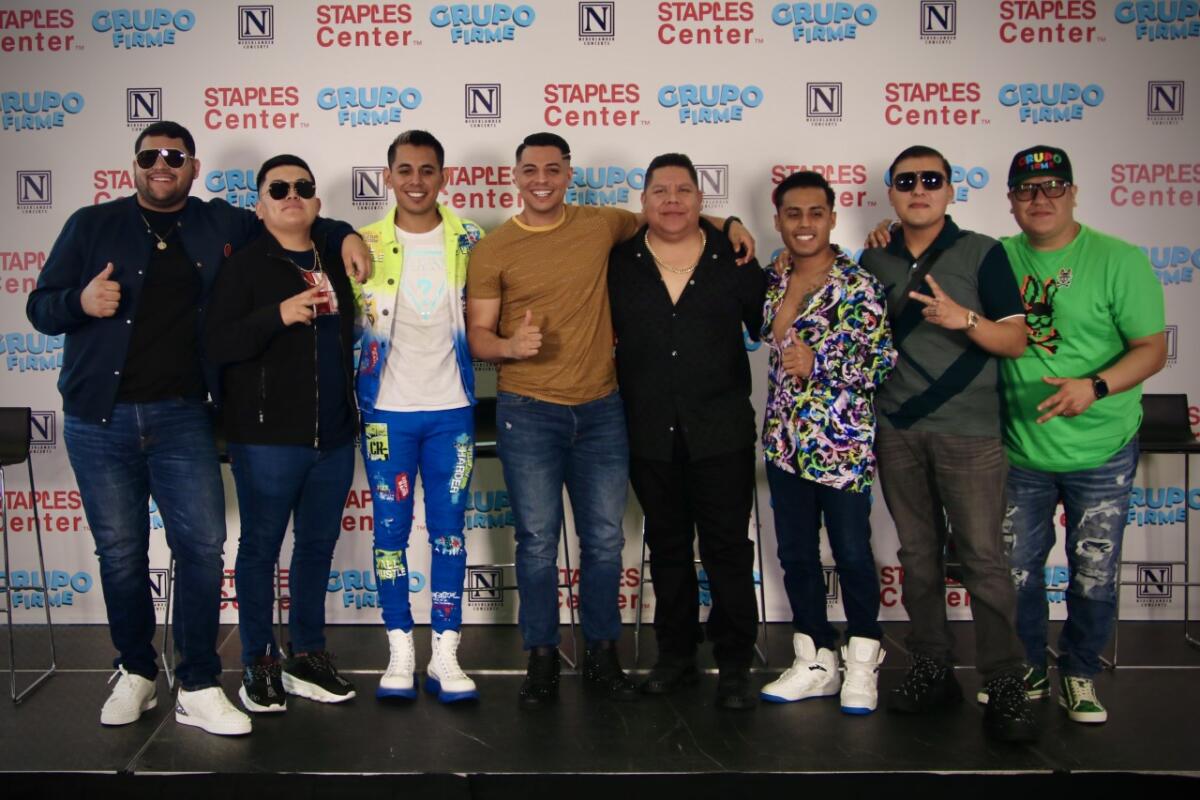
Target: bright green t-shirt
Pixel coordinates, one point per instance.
(1083, 303)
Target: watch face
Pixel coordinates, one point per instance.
(1100, 387)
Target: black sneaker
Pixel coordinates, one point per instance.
(262, 687)
(313, 675)
(928, 686)
(734, 691)
(540, 687)
(602, 673)
(1008, 715)
(670, 676)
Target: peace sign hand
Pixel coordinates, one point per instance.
(940, 309)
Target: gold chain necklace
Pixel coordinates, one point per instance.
(677, 270)
(162, 240)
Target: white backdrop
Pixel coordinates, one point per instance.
(751, 90)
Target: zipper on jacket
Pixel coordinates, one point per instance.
(316, 385)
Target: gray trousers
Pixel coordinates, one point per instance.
(922, 473)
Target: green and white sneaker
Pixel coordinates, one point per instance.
(1079, 699)
(1037, 686)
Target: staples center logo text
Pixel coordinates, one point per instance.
(368, 105)
(606, 185)
(251, 107)
(31, 351)
(471, 186)
(706, 23)
(1127, 179)
(1047, 22)
(932, 103)
(38, 110)
(107, 181)
(36, 20)
(149, 27)
(1161, 21)
(709, 104)
(364, 25)
(1173, 264)
(824, 22)
(23, 261)
(1051, 102)
(591, 105)
(838, 175)
(487, 23)
(235, 186)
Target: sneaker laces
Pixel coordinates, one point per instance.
(124, 688)
(860, 677)
(1082, 690)
(402, 659)
(1006, 695)
(447, 656)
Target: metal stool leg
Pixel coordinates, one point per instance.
(574, 657)
(760, 651)
(168, 657)
(8, 592)
(637, 620)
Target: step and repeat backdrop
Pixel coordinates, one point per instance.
(750, 90)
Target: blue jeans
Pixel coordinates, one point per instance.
(542, 446)
(1097, 504)
(165, 449)
(275, 482)
(441, 445)
(799, 505)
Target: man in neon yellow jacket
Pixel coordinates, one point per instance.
(415, 390)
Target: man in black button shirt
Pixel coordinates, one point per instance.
(127, 281)
(679, 301)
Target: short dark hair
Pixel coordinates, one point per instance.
(417, 138)
(672, 160)
(804, 179)
(282, 160)
(545, 139)
(172, 130)
(919, 151)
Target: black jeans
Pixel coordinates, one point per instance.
(922, 473)
(710, 497)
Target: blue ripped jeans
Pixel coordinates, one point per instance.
(1097, 505)
(441, 446)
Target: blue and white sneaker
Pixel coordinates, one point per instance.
(860, 688)
(398, 680)
(444, 677)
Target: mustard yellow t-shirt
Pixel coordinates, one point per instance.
(560, 273)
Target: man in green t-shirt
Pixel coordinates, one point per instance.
(1094, 320)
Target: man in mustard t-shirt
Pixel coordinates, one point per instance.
(538, 305)
(1094, 319)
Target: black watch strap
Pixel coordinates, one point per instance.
(1099, 387)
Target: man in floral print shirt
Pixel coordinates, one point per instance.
(831, 346)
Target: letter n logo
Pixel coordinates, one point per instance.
(597, 20)
(33, 188)
(482, 101)
(824, 101)
(714, 181)
(367, 185)
(938, 18)
(143, 106)
(256, 24)
(1164, 99)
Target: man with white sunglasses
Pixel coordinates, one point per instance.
(127, 282)
(955, 313)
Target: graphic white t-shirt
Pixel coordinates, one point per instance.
(421, 373)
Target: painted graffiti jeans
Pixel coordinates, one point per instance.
(1096, 502)
(440, 445)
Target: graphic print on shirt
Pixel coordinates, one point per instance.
(424, 280)
(1039, 311)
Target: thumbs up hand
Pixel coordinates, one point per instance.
(101, 296)
(526, 340)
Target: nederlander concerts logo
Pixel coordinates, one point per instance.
(143, 27)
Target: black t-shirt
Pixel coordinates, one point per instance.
(335, 423)
(163, 361)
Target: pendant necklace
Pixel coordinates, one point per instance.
(677, 270)
(162, 240)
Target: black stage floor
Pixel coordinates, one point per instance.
(587, 745)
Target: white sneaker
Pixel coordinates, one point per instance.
(444, 677)
(130, 698)
(813, 674)
(860, 690)
(210, 710)
(398, 681)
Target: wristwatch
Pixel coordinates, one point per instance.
(972, 320)
(1100, 387)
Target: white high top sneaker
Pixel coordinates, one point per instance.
(444, 677)
(813, 674)
(398, 680)
(860, 691)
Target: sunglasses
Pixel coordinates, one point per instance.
(305, 189)
(172, 157)
(907, 181)
(1026, 192)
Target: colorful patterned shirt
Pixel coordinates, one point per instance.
(823, 428)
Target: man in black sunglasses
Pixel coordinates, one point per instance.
(1095, 324)
(955, 312)
(127, 281)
